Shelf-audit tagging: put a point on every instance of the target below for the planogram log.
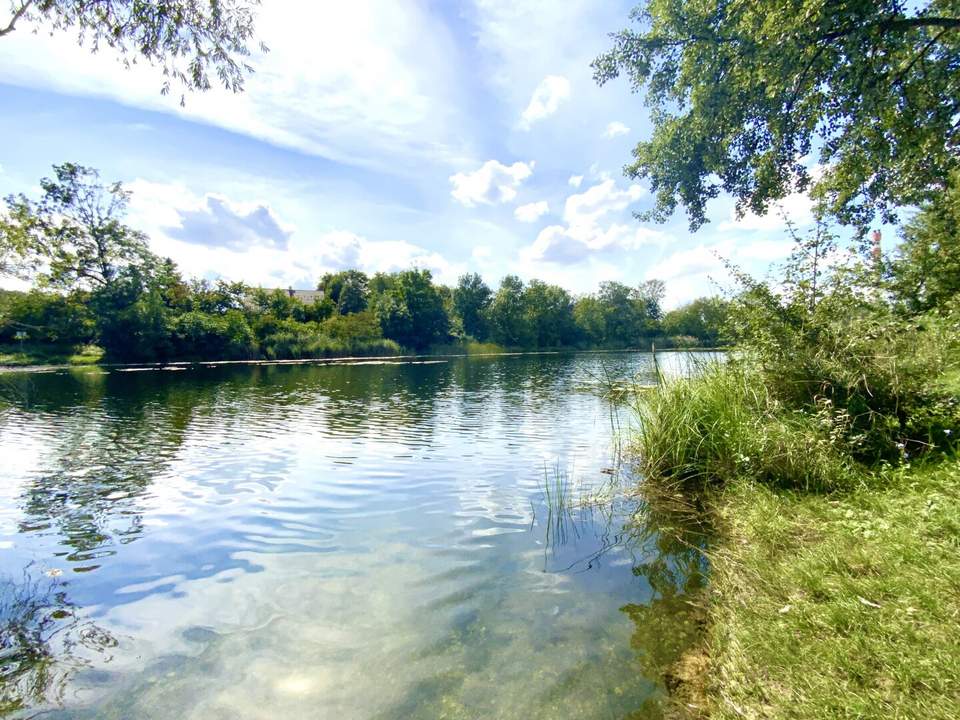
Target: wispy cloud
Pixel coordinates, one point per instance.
(616, 129)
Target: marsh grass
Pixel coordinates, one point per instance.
(833, 581)
(721, 422)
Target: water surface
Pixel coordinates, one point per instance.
(438, 539)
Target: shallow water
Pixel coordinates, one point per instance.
(452, 539)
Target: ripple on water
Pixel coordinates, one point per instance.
(351, 541)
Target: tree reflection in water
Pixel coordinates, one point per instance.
(43, 642)
(667, 537)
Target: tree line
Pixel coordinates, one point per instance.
(97, 282)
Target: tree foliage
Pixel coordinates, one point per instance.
(190, 40)
(742, 92)
(471, 299)
(925, 274)
(74, 235)
(411, 312)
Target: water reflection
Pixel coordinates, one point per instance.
(43, 642)
(356, 541)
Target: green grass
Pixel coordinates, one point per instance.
(471, 347)
(834, 584)
(38, 354)
(722, 424)
(844, 606)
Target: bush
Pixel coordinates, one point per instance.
(45, 317)
(202, 335)
(868, 376)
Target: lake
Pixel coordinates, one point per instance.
(447, 538)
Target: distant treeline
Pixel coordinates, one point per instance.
(160, 316)
(97, 282)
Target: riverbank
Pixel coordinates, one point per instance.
(836, 606)
(92, 357)
(831, 604)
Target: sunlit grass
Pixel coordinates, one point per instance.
(838, 605)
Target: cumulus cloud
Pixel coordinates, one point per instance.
(588, 207)
(546, 99)
(199, 232)
(493, 182)
(575, 181)
(219, 222)
(615, 129)
(586, 231)
(531, 212)
(688, 272)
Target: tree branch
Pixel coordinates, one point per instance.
(11, 26)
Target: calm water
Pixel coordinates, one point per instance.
(403, 540)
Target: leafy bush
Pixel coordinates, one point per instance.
(866, 374)
(45, 317)
(202, 335)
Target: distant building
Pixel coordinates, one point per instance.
(307, 297)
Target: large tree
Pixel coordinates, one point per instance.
(471, 298)
(744, 92)
(190, 40)
(74, 235)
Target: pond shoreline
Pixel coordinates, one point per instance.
(352, 359)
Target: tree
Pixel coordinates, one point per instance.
(742, 92)
(471, 298)
(188, 39)
(75, 232)
(347, 289)
(507, 315)
(650, 294)
(622, 321)
(703, 319)
(550, 314)
(589, 317)
(925, 274)
(411, 312)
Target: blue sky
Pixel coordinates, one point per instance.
(457, 137)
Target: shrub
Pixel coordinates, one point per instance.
(202, 335)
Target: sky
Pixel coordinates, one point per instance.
(381, 135)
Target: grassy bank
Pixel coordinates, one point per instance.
(28, 354)
(834, 584)
(837, 605)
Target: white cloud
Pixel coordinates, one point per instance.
(585, 232)
(798, 208)
(615, 129)
(690, 272)
(481, 252)
(359, 82)
(589, 206)
(531, 212)
(493, 182)
(221, 222)
(158, 208)
(546, 98)
(575, 181)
